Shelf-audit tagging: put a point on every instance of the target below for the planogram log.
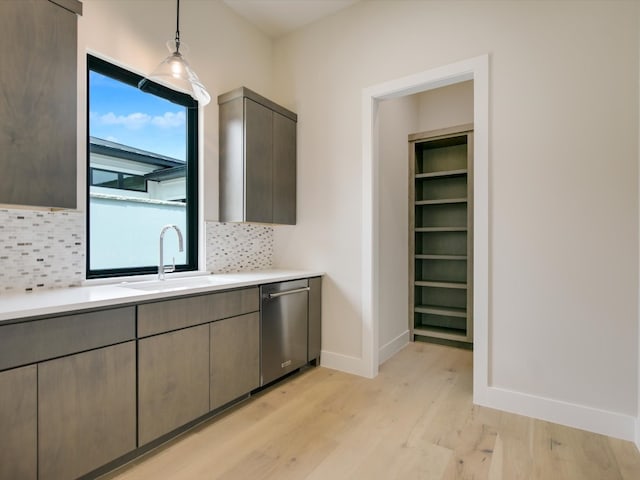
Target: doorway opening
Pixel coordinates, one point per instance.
(475, 70)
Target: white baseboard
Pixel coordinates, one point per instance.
(591, 419)
(389, 349)
(638, 432)
(344, 363)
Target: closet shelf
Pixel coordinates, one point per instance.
(438, 310)
(441, 332)
(441, 201)
(440, 229)
(440, 257)
(459, 285)
(442, 173)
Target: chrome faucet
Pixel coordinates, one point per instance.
(162, 269)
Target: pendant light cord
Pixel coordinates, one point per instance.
(177, 25)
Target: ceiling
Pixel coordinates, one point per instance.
(279, 17)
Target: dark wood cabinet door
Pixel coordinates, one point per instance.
(284, 170)
(38, 127)
(86, 410)
(173, 381)
(258, 139)
(18, 423)
(235, 358)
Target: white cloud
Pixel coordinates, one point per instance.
(169, 120)
(138, 120)
(133, 121)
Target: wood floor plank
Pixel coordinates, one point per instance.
(516, 444)
(627, 458)
(496, 469)
(415, 420)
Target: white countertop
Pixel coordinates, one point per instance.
(48, 302)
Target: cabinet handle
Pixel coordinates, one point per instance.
(288, 292)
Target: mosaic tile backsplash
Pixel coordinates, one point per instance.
(40, 250)
(238, 247)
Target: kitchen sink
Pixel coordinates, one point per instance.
(174, 284)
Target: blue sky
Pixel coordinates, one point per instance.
(122, 113)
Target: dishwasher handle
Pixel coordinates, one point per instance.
(288, 292)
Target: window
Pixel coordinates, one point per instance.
(141, 173)
(123, 181)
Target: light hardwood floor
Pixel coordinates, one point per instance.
(414, 421)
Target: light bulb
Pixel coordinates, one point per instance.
(176, 66)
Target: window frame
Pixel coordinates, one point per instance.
(123, 75)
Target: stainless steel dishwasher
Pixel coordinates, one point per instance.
(283, 328)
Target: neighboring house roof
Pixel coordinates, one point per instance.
(126, 152)
(167, 174)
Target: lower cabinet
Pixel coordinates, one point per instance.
(173, 381)
(86, 410)
(18, 423)
(235, 358)
(93, 390)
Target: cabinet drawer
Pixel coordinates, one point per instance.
(30, 342)
(159, 317)
(235, 302)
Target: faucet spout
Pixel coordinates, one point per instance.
(162, 269)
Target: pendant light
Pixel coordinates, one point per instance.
(176, 72)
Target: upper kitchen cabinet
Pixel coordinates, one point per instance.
(257, 159)
(38, 102)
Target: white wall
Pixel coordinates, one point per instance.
(563, 178)
(396, 119)
(225, 51)
(445, 107)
